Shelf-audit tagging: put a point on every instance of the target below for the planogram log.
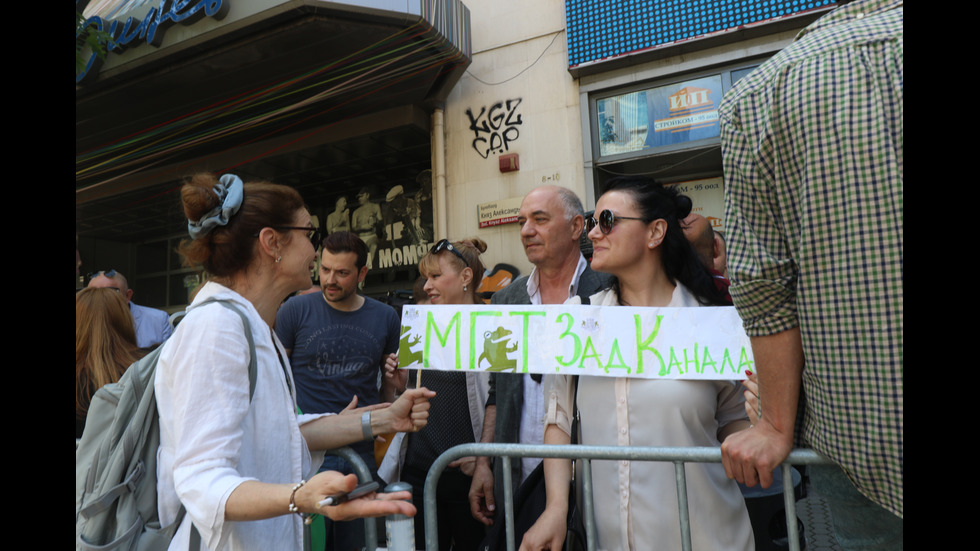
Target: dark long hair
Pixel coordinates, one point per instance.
(679, 259)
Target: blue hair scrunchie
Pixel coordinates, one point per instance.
(230, 191)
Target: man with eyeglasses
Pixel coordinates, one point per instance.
(551, 220)
(337, 342)
(152, 326)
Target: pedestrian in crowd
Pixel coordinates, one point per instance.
(705, 241)
(152, 326)
(453, 271)
(337, 342)
(241, 465)
(105, 345)
(551, 220)
(813, 150)
(720, 262)
(637, 237)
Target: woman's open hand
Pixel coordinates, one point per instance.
(329, 483)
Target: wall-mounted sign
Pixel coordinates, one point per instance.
(499, 212)
(149, 28)
(667, 115)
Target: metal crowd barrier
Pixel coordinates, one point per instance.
(677, 456)
(364, 475)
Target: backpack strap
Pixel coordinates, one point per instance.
(252, 363)
(195, 539)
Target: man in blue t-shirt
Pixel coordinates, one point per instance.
(338, 342)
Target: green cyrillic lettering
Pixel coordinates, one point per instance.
(524, 334)
(586, 354)
(617, 356)
(644, 344)
(430, 325)
(577, 341)
(744, 362)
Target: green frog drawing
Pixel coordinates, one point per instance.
(405, 355)
(495, 350)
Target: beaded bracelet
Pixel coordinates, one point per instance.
(307, 519)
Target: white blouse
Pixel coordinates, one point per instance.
(212, 438)
(636, 502)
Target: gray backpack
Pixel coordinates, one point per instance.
(116, 461)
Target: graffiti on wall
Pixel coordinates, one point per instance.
(496, 127)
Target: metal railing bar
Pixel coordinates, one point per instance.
(363, 475)
(789, 501)
(509, 504)
(683, 512)
(589, 504)
(679, 456)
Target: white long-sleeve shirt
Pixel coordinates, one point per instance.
(212, 438)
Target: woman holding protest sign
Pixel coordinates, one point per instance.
(637, 237)
(453, 271)
(228, 453)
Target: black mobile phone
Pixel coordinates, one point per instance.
(360, 491)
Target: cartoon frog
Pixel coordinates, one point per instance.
(405, 355)
(495, 350)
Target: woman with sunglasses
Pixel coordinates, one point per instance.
(228, 456)
(637, 237)
(453, 272)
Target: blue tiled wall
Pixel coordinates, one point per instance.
(599, 29)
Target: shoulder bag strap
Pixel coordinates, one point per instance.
(195, 540)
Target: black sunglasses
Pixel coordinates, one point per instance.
(606, 221)
(445, 245)
(110, 273)
(312, 233)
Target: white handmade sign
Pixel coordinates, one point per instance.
(648, 343)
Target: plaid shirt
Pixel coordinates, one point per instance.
(813, 149)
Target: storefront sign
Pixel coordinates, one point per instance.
(499, 212)
(406, 255)
(657, 117)
(151, 27)
(646, 343)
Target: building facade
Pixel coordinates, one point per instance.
(432, 117)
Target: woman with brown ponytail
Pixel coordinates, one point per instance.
(226, 456)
